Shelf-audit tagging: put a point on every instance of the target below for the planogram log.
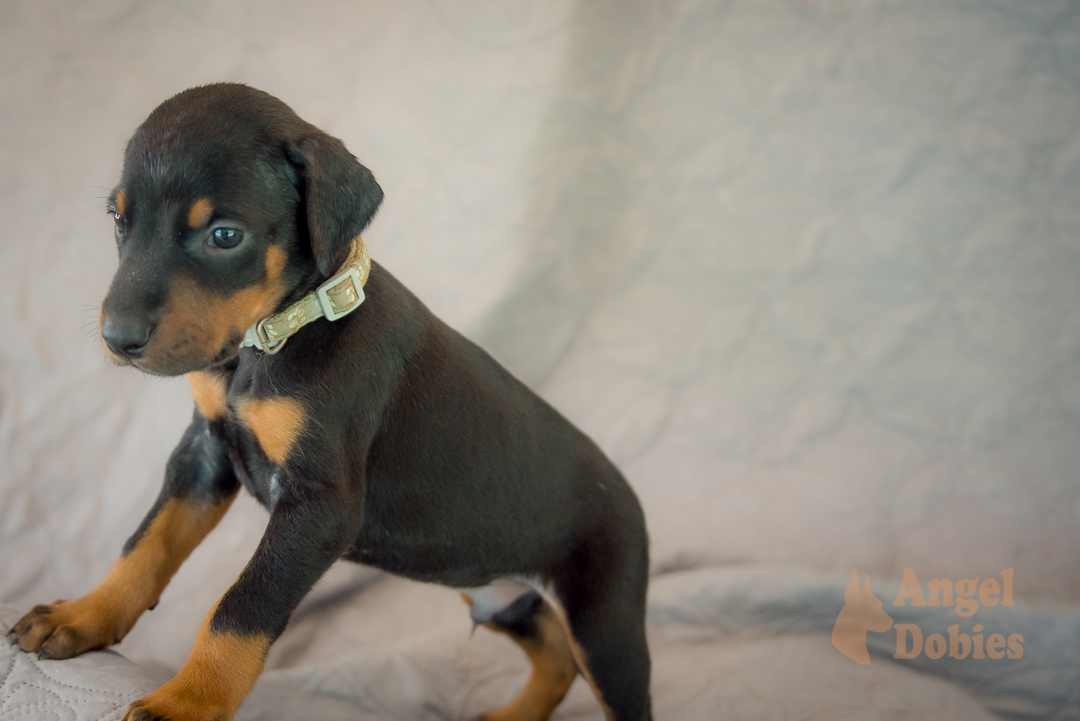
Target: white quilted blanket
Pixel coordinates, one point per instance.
(806, 270)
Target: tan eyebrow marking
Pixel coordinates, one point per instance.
(121, 203)
(200, 213)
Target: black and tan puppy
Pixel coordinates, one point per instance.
(369, 429)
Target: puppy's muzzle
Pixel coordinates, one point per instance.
(127, 337)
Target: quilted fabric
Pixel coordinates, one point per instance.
(94, 687)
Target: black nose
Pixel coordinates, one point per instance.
(126, 338)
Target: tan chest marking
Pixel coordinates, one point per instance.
(276, 422)
(209, 392)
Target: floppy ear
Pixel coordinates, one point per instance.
(340, 196)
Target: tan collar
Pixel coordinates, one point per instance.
(337, 297)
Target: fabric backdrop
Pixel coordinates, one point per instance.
(808, 271)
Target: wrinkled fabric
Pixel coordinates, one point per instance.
(805, 270)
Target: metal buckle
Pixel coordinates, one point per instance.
(334, 284)
(264, 343)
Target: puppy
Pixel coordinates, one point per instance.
(369, 429)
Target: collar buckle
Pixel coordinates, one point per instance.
(342, 294)
(263, 341)
(338, 296)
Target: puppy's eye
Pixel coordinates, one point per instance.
(226, 237)
(121, 227)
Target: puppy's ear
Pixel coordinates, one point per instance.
(340, 196)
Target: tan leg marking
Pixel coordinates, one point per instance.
(134, 584)
(209, 391)
(581, 660)
(276, 423)
(221, 670)
(552, 673)
(200, 212)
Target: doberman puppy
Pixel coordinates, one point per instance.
(369, 429)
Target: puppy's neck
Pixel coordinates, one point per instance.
(335, 298)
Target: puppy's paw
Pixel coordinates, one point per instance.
(172, 703)
(63, 629)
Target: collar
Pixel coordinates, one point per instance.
(337, 297)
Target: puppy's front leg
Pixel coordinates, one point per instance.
(199, 487)
(306, 534)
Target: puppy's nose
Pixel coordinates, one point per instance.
(126, 338)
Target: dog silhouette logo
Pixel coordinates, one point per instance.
(862, 612)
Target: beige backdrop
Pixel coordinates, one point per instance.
(808, 271)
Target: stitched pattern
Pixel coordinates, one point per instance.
(94, 687)
(34, 701)
(7, 671)
(55, 680)
(29, 690)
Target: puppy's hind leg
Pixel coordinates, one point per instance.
(533, 625)
(601, 586)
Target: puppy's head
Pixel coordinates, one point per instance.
(229, 207)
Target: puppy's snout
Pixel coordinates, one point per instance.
(126, 337)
